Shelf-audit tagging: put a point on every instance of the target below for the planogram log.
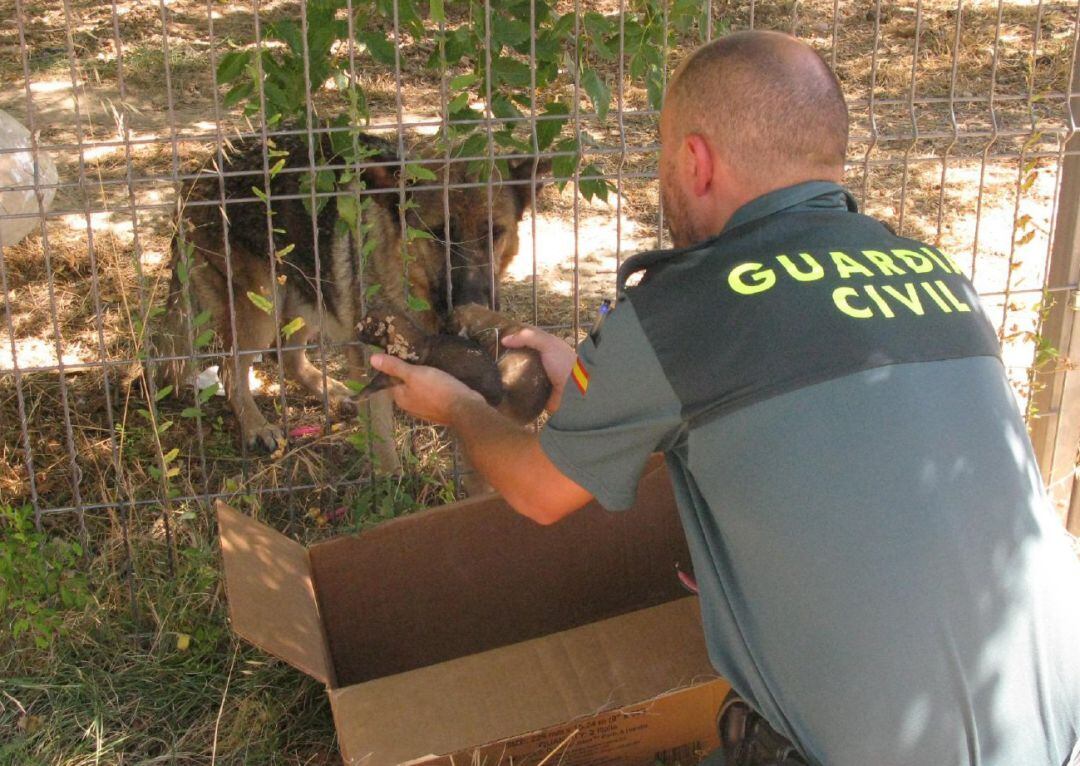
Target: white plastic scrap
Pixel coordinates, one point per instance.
(209, 377)
(17, 170)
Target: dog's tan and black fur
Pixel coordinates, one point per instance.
(465, 253)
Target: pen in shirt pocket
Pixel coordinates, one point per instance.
(601, 315)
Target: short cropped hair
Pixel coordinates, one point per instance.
(767, 102)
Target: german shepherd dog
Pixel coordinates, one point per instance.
(451, 249)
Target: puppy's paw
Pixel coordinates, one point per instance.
(346, 407)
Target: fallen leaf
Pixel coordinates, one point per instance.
(28, 724)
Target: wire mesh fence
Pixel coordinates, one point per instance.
(350, 138)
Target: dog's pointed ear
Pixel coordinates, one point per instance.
(530, 176)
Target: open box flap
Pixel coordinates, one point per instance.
(271, 598)
(523, 687)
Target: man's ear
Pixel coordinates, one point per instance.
(523, 172)
(699, 157)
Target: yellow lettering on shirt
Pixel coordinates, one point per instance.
(957, 304)
(846, 265)
(909, 298)
(917, 262)
(875, 296)
(842, 298)
(884, 263)
(929, 288)
(816, 270)
(757, 278)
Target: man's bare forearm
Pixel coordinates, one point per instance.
(511, 460)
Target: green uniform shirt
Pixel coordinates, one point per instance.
(880, 573)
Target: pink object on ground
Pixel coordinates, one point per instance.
(301, 432)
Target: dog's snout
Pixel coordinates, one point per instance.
(472, 284)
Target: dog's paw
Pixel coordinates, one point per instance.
(266, 437)
(346, 407)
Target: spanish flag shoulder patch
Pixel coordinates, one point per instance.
(580, 376)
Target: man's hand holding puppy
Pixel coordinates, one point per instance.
(508, 456)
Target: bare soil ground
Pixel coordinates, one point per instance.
(122, 95)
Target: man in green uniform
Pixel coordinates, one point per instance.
(881, 577)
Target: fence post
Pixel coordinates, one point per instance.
(1055, 431)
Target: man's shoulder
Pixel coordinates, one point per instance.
(776, 234)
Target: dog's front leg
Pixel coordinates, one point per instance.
(256, 430)
(299, 368)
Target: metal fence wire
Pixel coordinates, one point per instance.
(963, 115)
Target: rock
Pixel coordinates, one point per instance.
(17, 170)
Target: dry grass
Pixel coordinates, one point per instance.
(151, 551)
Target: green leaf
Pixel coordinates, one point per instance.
(260, 194)
(597, 24)
(282, 252)
(277, 167)
(416, 171)
(170, 456)
(512, 32)
(325, 180)
(204, 339)
(289, 33)
(547, 130)
(261, 302)
(504, 108)
(232, 65)
(508, 140)
(412, 233)
(438, 12)
(593, 187)
(348, 211)
(355, 386)
(474, 147)
(289, 329)
(457, 103)
(205, 393)
(238, 93)
(599, 92)
(562, 166)
(381, 49)
(162, 393)
(417, 303)
(200, 319)
(190, 412)
(654, 84)
(464, 80)
(511, 71)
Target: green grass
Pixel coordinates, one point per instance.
(125, 655)
(165, 682)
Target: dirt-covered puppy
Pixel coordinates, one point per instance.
(512, 380)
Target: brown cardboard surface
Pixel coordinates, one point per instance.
(674, 728)
(472, 576)
(271, 597)
(522, 688)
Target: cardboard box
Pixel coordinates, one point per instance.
(472, 635)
